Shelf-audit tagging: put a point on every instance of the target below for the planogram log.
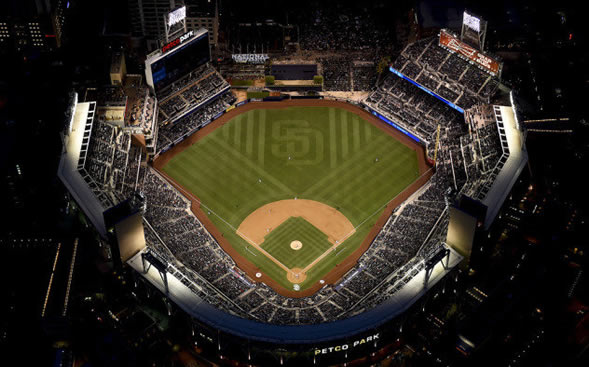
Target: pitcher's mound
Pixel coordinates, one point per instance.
(296, 245)
(296, 275)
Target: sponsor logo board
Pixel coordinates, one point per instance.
(454, 44)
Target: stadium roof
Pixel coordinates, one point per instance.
(518, 157)
(68, 166)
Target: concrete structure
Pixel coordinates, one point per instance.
(147, 18)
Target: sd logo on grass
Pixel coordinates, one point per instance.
(296, 142)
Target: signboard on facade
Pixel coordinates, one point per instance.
(250, 58)
(346, 346)
(452, 43)
(178, 41)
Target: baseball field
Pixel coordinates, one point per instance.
(292, 191)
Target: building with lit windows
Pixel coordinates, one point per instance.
(148, 18)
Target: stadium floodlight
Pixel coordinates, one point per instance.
(471, 22)
(176, 16)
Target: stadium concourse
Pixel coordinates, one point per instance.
(476, 149)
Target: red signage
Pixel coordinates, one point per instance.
(449, 41)
(172, 44)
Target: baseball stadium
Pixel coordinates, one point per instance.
(295, 222)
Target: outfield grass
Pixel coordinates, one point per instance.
(242, 82)
(318, 153)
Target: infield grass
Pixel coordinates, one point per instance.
(325, 154)
(277, 243)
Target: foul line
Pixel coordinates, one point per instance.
(339, 242)
(250, 241)
(188, 194)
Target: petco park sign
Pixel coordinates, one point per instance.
(178, 41)
(452, 43)
(344, 347)
(250, 58)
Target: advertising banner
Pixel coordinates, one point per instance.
(452, 43)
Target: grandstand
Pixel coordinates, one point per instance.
(445, 73)
(191, 93)
(481, 152)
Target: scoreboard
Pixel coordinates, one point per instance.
(177, 59)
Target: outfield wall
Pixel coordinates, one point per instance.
(396, 126)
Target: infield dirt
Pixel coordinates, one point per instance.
(263, 220)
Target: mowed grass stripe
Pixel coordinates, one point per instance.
(387, 171)
(261, 137)
(237, 130)
(215, 161)
(350, 164)
(344, 133)
(249, 137)
(332, 139)
(356, 132)
(337, 179)
(210, 167)
(365, 158)
(193, 181)
(246, 137)
(243, 185)
(395, 175)
(251, 165)
(367, 132)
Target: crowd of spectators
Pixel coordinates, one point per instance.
(141, 108)
(402, 102)
(445, 73)
(132, 173)
(488, 146)
(194, 76)
(336, 73)
(106, 161)
(168, 213)
(172, 133)
(364, 76)
(196, 92)
(342, 29)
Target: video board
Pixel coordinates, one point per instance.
(179, 57)
(452, 43)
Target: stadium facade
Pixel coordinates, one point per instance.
(433, 93)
